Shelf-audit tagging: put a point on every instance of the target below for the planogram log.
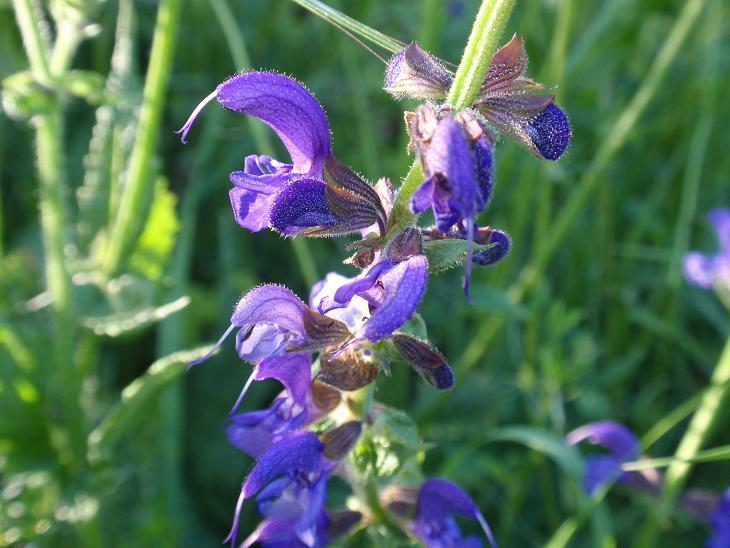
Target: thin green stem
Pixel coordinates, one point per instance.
(36, 48)
(700, 428)
(709, 455)
(488, 27)
(135, 201)
(339, 19)
(54, 223)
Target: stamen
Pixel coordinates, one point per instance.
(215, 347)
(234, 528)
(243, 392)
(487, 530)
(189, 123)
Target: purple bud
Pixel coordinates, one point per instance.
(550, 132)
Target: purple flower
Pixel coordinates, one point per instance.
(255, 431)
(290, 480)
(720, 523)
(391, 291)
(709, 270)
(282, 534)
(286, 197)
(270, 318)
(458, 162)
(438, 500)
(622, 444)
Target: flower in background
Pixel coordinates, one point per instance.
(719, 521)
(707, 271)
(622, 444)
(290, 198)
(437, 502)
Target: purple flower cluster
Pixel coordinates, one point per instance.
(456, 149)
(623, 447)
(351, 329)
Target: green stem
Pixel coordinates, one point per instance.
(483, 40)
(709, 455)
(135, 200)
(700, 427)
(54, 222)
(36, 49)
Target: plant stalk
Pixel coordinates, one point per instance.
(135, 201)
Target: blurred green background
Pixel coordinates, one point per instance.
(588, 318)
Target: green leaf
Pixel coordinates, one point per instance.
(121, 419)
(545, 442)
(386, 445)
(154, 247)
(448, 253)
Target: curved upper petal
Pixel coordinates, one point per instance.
(272, 304)
(455, 193)
(619, 440)
(288, 108)
(293, 370)
(403, 287)
(298, 452)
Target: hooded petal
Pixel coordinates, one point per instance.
(403, 287)
(271, 304)
(298, 452)
(288, 108)
(455, 193)
(549, 132)
(619, 440)
(292, 370)
(438, 500)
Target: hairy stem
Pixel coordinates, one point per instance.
(135, 201)
(36, 48)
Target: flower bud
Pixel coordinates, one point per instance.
(338, 442)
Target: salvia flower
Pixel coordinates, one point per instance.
(282, 534)
(437, 502)
(253, 432)
(290, 480)
(707, 271)
(289, 198)
(720, 522)
(622, 444)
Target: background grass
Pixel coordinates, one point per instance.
(605, 328)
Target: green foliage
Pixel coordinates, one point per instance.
(588, 318)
